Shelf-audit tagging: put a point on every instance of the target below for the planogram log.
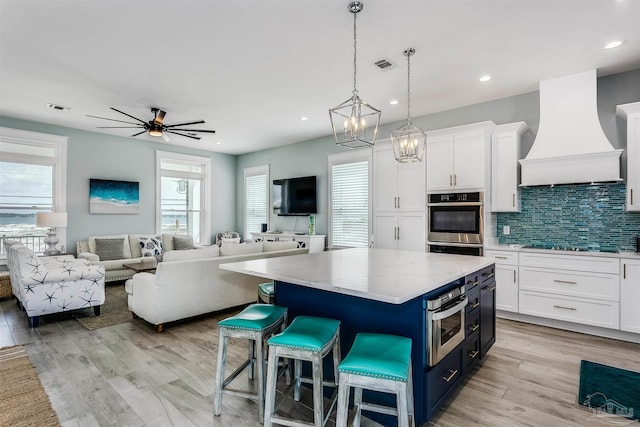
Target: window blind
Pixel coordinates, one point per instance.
(350, 204)
(256, 203)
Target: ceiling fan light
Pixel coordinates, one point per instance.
(155, 132)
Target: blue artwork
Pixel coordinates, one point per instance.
(113, 197)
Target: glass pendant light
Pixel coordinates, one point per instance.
(354, 122)
(408, 141)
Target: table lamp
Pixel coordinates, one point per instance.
(51, 220)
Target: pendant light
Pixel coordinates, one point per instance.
(408, 141)
(354, 122)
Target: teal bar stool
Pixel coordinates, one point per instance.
(382, 363)
(256, 323)
(266, 292)
(306, 339)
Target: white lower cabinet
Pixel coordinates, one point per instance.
(506, 279)
(630, 295)
(573, 288)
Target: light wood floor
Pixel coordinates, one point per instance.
(127, 375)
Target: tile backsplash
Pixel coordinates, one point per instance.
(590, 217)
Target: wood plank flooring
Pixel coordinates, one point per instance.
(127, 375)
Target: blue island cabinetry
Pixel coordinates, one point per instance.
(433, 385)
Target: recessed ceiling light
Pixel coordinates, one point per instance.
(304, 119)
(393, 102)
(218, 143)
(58, 107)
(614, 44)
(485, 78)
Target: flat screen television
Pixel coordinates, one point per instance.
(294, 196)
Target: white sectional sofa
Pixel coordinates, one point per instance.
(189, 283)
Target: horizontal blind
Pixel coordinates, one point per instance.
(256, 203)
(350, 204)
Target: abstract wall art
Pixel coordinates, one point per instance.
(113, 197)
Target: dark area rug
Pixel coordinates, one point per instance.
(609, 391)
(113, 312)
(23, 401)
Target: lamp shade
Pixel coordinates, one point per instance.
(51, 219)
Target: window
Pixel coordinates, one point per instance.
(256, 199)
(349, 195)
(32, 179)
(183, 199)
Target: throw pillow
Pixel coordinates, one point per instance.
(181, 243)
(230, 241)
(151, 246)
(110, 249)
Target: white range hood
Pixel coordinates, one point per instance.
(570, 147)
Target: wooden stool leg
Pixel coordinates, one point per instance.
(357, 404)
(297, 377)
(403, 406)
(251, 357)
(318, 398)
(222, 357)
(410, 402)
(342, 414)
(272, 377)
(260, 362)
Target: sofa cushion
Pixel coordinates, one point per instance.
(206, 252)
(278, 246)
(183, 242)
(148, 246)
(126, 250)
(243, 249)
(110, 249)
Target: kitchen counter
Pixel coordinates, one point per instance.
(520, 248)
(383, 275)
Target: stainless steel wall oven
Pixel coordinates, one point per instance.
(456, 220)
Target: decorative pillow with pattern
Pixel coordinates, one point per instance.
(110, 249)
(151, 246)
(229, 241)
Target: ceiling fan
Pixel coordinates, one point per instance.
(156, 127)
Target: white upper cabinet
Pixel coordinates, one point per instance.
(505, 153)
(457, 158)
(397, 186)
(632, 114)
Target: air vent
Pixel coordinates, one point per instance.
(384, 64)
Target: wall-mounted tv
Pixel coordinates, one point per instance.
(294, 196)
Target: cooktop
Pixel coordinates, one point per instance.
(552, 247)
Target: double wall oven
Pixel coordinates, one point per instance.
(456, 223)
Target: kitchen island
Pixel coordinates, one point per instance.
(386, 291)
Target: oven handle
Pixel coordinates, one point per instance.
(439, 315)
(456, 204)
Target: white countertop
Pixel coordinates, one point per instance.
(520, 248)
(378, 274)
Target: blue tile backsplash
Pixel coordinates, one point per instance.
(589, 217)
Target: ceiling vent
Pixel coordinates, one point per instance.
(384, 64)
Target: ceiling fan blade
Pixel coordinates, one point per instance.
(197, 122)
(195, 130)
(129, 115)
(159, 117)
(139, 133)
(119, 127)
(113, 120)
(184, 134)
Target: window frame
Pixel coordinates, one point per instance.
(354, 156)
(204, 177)
(58, 161)
(255, 171)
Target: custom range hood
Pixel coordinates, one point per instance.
(570, 147)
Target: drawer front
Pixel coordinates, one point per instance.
(503, 257)
(605, 314)
(472, 321)
(472, 282)
(473, 304)
(571, 262)
(487, 274)
(471, 351)
(444, 376)
(571, 283)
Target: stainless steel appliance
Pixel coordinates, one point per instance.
(445, 324)
(456, 223)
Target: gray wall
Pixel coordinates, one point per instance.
(310, 157)
(96, 155)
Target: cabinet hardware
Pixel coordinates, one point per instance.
(488, 275)
(631, 195)
(455, 179)
(565, 308)
(565, 282)
(398, 233)
(453, 374)
(500, 257)
(624, 271)
(450, 180)
(474, 328)
(475, 305)
(513, 198)
(398, 202)
(492, 288)
(514, 276)
(473, 354)
(473, 284)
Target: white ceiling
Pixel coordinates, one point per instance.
(251, 69)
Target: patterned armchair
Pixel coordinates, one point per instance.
(53, 284)
(232, 236)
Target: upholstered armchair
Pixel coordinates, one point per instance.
(228, 236)
(53, 284)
